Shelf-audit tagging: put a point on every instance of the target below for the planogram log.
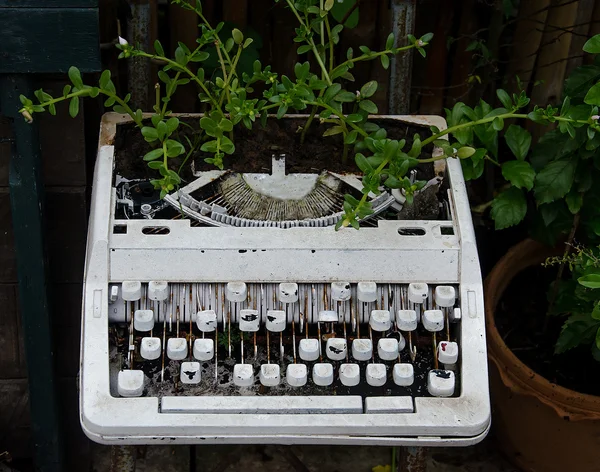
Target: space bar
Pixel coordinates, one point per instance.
(264, 405)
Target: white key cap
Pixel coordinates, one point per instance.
(404, 375)
(177, 349)
(340, 291)
(243, 375)
(309, 349)
(236, 292)
(445, 295)
(206, 321)
(366, 291)
(387, 349)
(380, 320)
(204, 349)
(440, 383)
(322, 374)
(249, 321)
(150, 348)
(296, 375)
(376, 375)
(158, 291)
(143, 320)
(350, 375)
(336, 349)
(276, 321)
(328, 316)
(417, 293)
(269, 375)
(362, 349)
(130, 383)
(190, 373)
(114, 293)
(406, 320)
(131, 291)
(288, 293)
(447, 352)
(433, 320)
(455, 315)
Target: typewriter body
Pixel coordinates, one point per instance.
(203, 322)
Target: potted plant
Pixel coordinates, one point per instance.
(543, 323)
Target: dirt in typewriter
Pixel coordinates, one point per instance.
(520, 318)
(255, 148)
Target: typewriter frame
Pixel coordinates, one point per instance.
(440, 258)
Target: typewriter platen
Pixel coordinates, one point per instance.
(227, 326)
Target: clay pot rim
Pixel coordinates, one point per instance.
(517, 376)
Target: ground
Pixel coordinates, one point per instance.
(480, 458)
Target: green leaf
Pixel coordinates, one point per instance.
(574, 201)
(504, 99)
(554, 180)
(590, 280)
(333, 131)
(74, 107)
(174, 148)
(66, 90)
(237, 35)
(592, 45)
(345, 97)
(519, 173)
(104, 79)
(596, 313)
(368, 106)
(354, 118)
(158, 48)
(227, 145)
(369, 89)
(498, 123)
(180, 56)
(465, 152)
(304, 48)
(385, 62)
(75, 77)
(581, 79)
(593, 95)
(389, 43)
(154, 154)
(351, 137)
(149, 133)
(340, 9)
(518, 140)
(156, 165)
(172, 124)
(509, 208)
(362, 163)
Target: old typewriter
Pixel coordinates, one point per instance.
(232, 311)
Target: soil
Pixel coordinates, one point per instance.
(254, 149)
(520, 319)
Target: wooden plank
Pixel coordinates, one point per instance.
(431, 89)
(12, 361)
(48, 3)
(66, 223)
(585, 9)
(22, 31)
(528, 36)
(236, 11)
(551, 63)
(260, 21)
(594, 30)
(378, 73)
(8, 262)
(183, 27)
(15, 421)
(284, 58)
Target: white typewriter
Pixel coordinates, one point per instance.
(233, 312)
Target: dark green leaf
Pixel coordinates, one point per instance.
(518, 140)
(104, 79)
(509, 208)
(75, 77)
(504, 99)
(592, 45)
(593, 95)
(385, 61)
(581, 79)
(590, 280)
(149, 133)
(498, 123)
(368, 106)
(369, 89)
(554, 181)
(519, 173)
(389, 43)
(354, 118)
(574, 201)
(158, 48)
(333, 131)
(362, 163)
(345, 97)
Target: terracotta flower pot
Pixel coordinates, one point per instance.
(539, 425)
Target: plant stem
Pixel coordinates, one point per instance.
(331, 49)
(164, 146)
(311, 43)
(231, 72)
(181, 68)
(367, 57)
(168, 95)
(341, 116)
